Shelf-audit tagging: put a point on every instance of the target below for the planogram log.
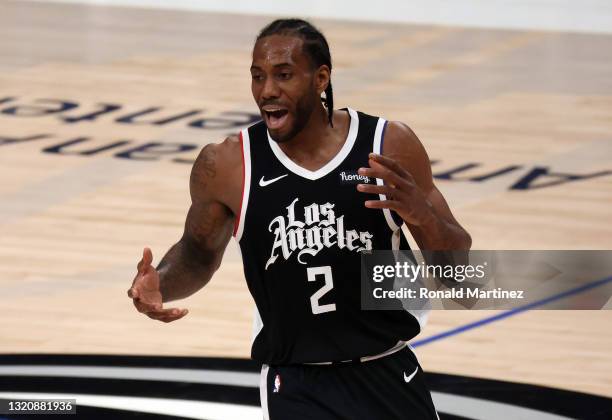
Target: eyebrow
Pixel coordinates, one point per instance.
(254, 67)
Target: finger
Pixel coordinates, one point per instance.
(167, 312)
(140, 265)
(389, 163)
(158, 317)
(379, 171)
(398, 174)
(392, 166)
(378, 189)
(382, 204)
(144, 307)
(145, 262)
(147, 256)
(133, 293)
(168, 315)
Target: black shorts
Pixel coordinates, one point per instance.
(389, 388)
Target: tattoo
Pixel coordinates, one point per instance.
(190, 263)
(208, 162)
(207, 225)
(204, 222)
(205, 168)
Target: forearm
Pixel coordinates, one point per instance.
(182, 272)
(442, 243)
(435, 233)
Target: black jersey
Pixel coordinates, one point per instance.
(301, 233)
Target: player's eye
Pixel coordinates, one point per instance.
(257, 77)
(285, 75)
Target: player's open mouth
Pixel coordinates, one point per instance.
(275, 117)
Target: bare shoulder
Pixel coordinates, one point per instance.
(401, 139)
(217, 172)
(403, 145)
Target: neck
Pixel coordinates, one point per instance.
(318, 142)
(313, 136)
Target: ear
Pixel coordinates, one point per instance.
(322, 78)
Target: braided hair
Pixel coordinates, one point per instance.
(315, 45)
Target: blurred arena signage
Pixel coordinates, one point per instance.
(71, 112)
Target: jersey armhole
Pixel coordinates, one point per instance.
(398, 229)
(246, 183)
(379, 136)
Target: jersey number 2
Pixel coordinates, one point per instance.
(312, 272)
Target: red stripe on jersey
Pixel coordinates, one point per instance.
(237, 221)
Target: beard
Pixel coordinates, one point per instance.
(303, 110)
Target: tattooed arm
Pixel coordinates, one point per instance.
(215, 187)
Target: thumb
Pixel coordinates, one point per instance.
(147, 258)
(133, 292)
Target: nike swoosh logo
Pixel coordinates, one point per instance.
(264, 183)
(409, 378)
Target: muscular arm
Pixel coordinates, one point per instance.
(191, 262)
(411, 193)
(436, 228)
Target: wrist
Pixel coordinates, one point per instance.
(428, 219)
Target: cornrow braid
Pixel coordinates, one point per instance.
(329, 102)
(315, 45)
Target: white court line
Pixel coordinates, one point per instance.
(182, 408)
(479, 409)
(474, 408)
(199, 376)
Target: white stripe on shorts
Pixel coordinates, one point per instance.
(263, 391)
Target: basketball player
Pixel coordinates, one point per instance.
(304, 192)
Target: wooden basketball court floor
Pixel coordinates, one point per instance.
(508, 116)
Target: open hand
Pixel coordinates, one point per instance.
(146, 295)
(401, 192)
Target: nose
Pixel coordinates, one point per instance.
(270, 89)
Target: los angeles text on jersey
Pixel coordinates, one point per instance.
(320, 229)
